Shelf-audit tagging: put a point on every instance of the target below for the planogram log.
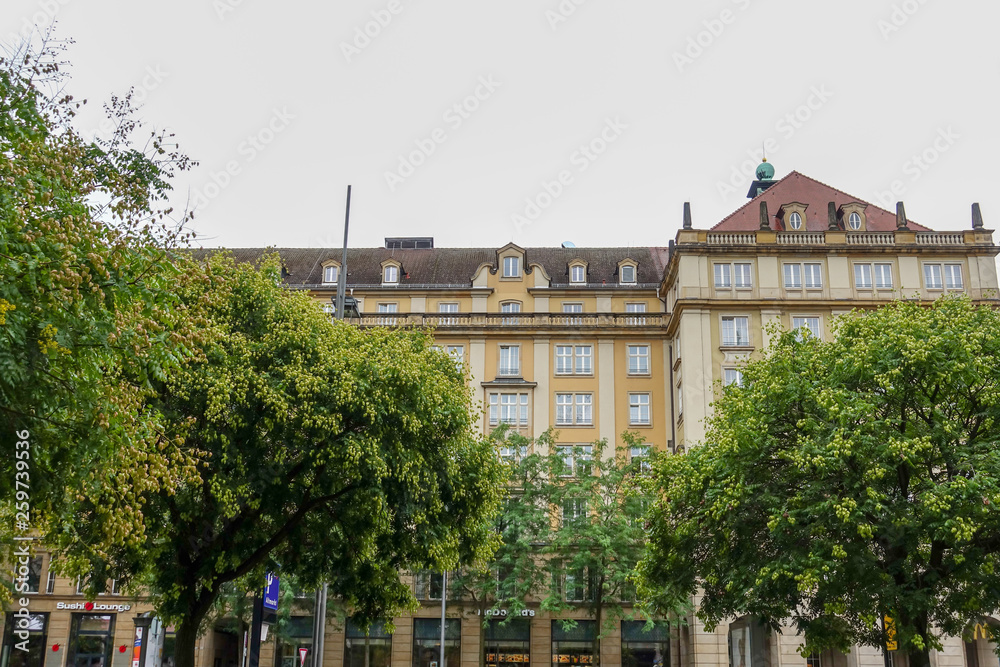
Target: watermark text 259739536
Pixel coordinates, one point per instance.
(22, 480)
(22, 522)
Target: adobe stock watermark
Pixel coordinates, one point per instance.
(248, 150)
(562, 12)
(917, 165)
(454, 117)
(786, 126)
(579, 161)
(898, 17)
(39, 20)
(704, 39)
(365, 34)
(223, 7)
(152, 78)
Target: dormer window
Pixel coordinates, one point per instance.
(578, 273)
(390, 275)
(511, 267)
(854, 221)
(795, 220)
(331, 274)
(853, 216)
(626, 274)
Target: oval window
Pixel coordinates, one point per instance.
(854, 221)
(795, 221)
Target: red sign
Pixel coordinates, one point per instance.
(302, 656)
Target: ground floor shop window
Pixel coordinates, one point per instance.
(642, 647)
(367, 649)
(295, 635)
(90, 639)
(573, 646)
(36, 626)
(427, 642)
(749, 643)
(508, 643)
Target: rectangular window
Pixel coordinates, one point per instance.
(34, 577)
(576, 586)
(37, 628)
(387, 308)
(953, 276)
(573, 510)
(573, 308)
(814, 660)
(741, 275)
(510, 360)
(330, 274)
(448, 308)
(427, 642)
(50, 581)
(90, 640)
(638, 409)
(574, 409)
(640, 454)
(863, 276)
(642, 647)
(793, 276)
(427, 585)
(627, 274)
(457, 352)
(723, 276)
(638, 360)
(511, 267)
(811, 324)
(932, 276)
(371, 648)
(507, 642)
(297, 635)
(813, 275)
(573, 646)
(735, 331)
(576, 459)
(390, 274)
(577, 274)
(883, 276)
(510, 307)
(509, 409)
(732, 376)
(636, 308)
(578, 359)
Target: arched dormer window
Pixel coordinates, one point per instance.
(853, 216)
(793, 217)
(391, 271)
(627, 272)
(578, 272)
(331, 273)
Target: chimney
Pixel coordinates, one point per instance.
(687, 215)
(977, 217)
(831, 213)
(765, 219)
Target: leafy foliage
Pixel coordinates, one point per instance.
(846, 480)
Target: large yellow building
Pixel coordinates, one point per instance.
(593, 342)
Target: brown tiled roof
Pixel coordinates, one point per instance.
(455, 267)
(796, 187)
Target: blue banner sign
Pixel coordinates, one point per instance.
(271, 592)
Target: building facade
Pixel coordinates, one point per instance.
(592, 342)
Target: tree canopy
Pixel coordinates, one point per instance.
(331, 452)
(845, 481)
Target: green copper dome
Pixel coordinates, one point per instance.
(765, 171)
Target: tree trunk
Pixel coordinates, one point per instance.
(187, 633)
(599, 618)
(916, 657)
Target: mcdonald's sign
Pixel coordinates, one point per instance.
(981, 630)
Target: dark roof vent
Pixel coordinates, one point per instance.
(409, 242)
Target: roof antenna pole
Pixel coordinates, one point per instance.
(342, 275)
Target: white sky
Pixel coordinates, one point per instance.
(896, 79)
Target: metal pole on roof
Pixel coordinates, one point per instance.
(342, 274)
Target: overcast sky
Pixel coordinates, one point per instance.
(540, 121)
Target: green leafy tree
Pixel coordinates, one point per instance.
(598, 536)
(326, 451)
(87, 314)
(847, 480)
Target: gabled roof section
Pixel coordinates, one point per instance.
(796, 187)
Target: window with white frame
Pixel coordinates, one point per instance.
(573, 308)
(573, 510)
(640, 454)
(387, 308)
(732, 376)
(578, 273)
(735, 331)
(636, 308)
(854, 224)
(576, 586)
(863, 276)
(793, 276)
(626, 274)
(574, 409)
(457, 352)
(943, 276)
(795, 220)
(510, 307)
(331, 273)
(736, 275)
(576, 459)
(574, 359)
(509, 408)
(638, 359)
(513, 453)
(638, 409)
(680, 400)
(50, 581)
(813, 275)
(428, 585)
(390, 274)
(447, 307)
(511, 267)
(510, 360)
(806, 323)
(883, 275)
